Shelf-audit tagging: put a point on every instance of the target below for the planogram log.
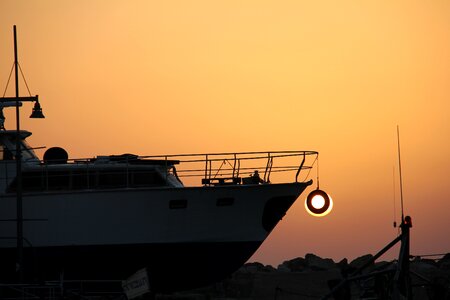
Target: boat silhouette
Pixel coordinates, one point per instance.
(189, 220)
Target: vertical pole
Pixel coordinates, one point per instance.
(18, 170)
(400, 171)
(403, 289)
(206, 168)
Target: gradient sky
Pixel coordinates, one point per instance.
(157, 77)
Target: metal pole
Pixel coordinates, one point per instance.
(402, 279)
(400, 170)
(18, 170)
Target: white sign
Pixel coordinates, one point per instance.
(136, 285)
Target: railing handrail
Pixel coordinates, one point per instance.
(279, 153)
(211, 167)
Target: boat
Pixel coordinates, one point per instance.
(107, 217)
(188, 220)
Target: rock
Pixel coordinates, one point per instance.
(344, 267)
(381, 265)
(343, 264)
(425, 268)
(317, 263)
(313, 277)
(439, 288)
(282, 268)
(436, 281)
(295, 265)
(444, 262)
(292, 285)
(430, 262)
(361, 261)
(269, 268)
(252, 267)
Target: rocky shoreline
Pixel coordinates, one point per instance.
(312, 277)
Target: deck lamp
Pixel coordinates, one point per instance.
(37, 111)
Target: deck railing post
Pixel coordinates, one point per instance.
(87, 176)
(234, 166)
(267, 166)
(167, 169)
(300, 167)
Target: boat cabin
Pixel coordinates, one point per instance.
(8, 140)
(57, 173)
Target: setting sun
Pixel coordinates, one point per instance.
(318, 203)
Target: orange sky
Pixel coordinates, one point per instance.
(155, 77)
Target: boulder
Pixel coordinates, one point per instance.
(295, 265)
(269, 268)
(425, 269)
(282, 268)
(429, 261)
(344, 267)
(361, 261)
(444, 262)
(317, 263)
(381, 265)
(252, 267)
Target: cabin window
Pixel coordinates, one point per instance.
(81, 179)
(58, 180)
(27, 151)
(225, 201)
(32, 181)
(112, 179)
(38, 181)
(178, 204)
(146, 178)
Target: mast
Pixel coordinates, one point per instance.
(19, 208)
(36, 113)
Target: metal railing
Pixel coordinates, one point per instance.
(233, 168)
(128, 171)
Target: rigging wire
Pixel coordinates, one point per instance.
(317, 171)
(9, 78)
(23, 76)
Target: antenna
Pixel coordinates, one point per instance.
(400, 172)
(393, 185)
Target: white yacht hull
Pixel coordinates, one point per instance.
(110, 234)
